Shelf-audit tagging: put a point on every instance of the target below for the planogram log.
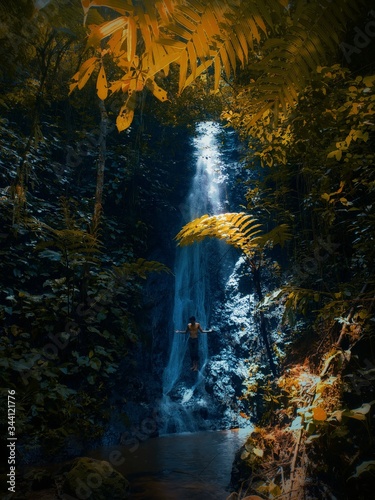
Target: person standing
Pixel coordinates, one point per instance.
(192, 328)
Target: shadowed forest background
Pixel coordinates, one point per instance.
(101, 102)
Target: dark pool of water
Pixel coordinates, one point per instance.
(194, 466)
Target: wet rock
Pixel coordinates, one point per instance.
(94, 479)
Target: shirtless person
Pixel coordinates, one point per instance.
(192, 329)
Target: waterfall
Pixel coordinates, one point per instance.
(191, 274)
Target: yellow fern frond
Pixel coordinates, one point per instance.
(72, 242)
(140, 268)
(237, 229)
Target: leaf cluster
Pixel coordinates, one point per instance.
(145, 39)
(239, 230)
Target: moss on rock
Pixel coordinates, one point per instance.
(96, 480)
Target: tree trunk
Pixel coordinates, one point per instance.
(98, 207)
(101, 166)
(263, 328)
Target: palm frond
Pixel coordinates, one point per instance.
(219, 34)
(291, 59)
(145, 38)
(237, 229)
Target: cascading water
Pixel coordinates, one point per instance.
(191, 280)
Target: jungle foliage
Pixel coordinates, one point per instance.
(71, 283)
(318, 161)
(71, 286)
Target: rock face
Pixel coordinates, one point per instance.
(94, 479)
(230, 346)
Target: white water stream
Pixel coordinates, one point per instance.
(191, 278)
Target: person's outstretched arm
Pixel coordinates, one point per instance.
(204, 331)
(182, 331)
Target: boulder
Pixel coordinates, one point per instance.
(94, 480)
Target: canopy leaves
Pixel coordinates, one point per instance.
(145, 38)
